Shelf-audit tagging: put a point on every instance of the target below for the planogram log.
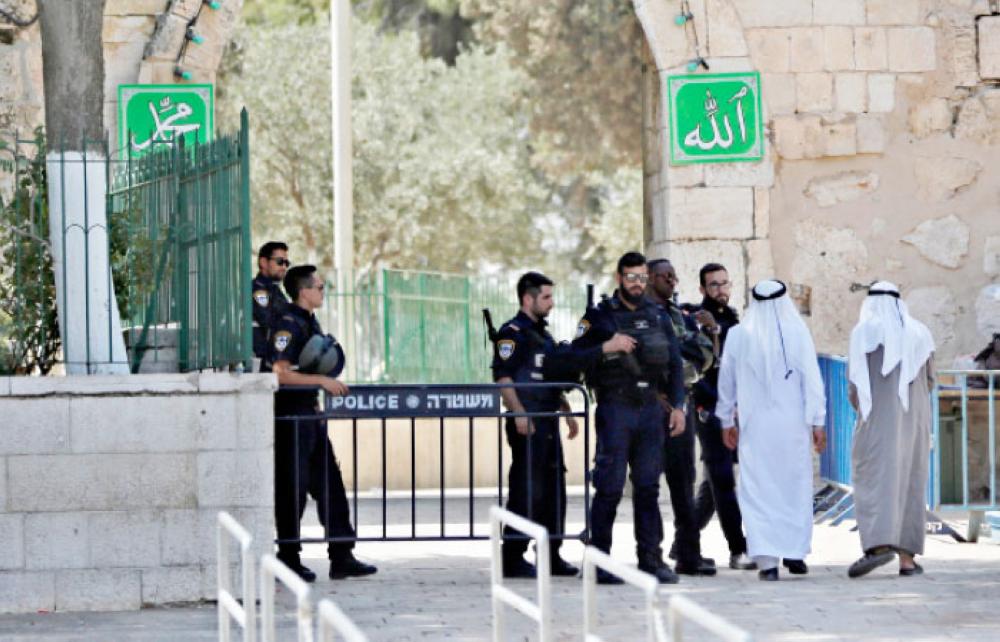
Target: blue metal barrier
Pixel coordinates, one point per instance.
(835, 462)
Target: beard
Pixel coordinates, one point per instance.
(631, 299)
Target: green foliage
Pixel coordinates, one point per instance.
(29, 327)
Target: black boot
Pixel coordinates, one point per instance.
(293, 562)
(652, 562)
(796, 567)
(349, 566)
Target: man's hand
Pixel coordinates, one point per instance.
(523, 425)
(705, 320)
(574, 427)
(819, 438)
(619, 343)
(335, 387)
(677, 423)
(731, 437)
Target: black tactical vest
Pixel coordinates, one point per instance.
(638, 373)
(538, 345)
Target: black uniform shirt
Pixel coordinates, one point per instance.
(288, 336)
(269, 303)
(515, 350)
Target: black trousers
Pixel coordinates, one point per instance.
(717, 492)
(537, 483)
(304, 464)
(678, 468)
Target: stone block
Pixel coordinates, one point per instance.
(939, 178)
(814, 92)
(235, 478)
(761, 212)
(870, 49)
(807, 49)
(685, 176)
(711, 213)
(769, 49)
(839, 12)
(975, 123)
(12, 536)
(125, 70)
(881, 93)
(778, 91)
(33, 426)
(101, 482)
(767, 13)
(989, 47)
(689, 256)
(27, 591)
(936, 307)
(760, 261)
(56, 540)
(124, 539)
(988, 310)
(103, 385)
(842, 187)
(757, 174)
(851, 91)
(98, 590)
(170, 34)
(729, 65)
(838, 48)
(175, 584)
(154, 424)
(911, 49)
(134, 28)
(667, 41)
(872, 134)
(725, 32)
(186, 9)
(991, 256)
(798, 137)
(187, 537)
(929, 117)
(3, 485)
(894, 12)
(942, 241)
(134, 7)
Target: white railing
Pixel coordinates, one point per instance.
(541, 612)
(680, 608)
(229, 607)
(271, 569)
(333, 621)
(594, 559)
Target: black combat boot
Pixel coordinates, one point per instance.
(652, 562)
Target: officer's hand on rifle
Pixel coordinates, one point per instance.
(335, 387)
(619, 343)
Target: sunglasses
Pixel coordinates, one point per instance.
(632, 277)
(282, 262)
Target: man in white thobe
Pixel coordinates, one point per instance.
(770, 378)
(890, 369)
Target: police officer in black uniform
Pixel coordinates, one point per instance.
(303, 457)
(269, 302)
(525, 353)
(634, 392)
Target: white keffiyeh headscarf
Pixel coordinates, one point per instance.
(907, 343)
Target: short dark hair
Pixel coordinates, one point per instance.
(268, 249)
(630, 259)
(708, 268)
(531, 283)
(655, 263)
(297, 279)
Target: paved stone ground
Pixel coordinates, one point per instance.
(430, 591)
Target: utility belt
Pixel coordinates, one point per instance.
(636, 393)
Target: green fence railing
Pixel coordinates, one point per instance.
(423, 327)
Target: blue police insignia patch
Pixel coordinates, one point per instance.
(281, 339)
(505, 348)
(261, 297)
(582, 327)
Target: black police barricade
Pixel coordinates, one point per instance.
(433, 401)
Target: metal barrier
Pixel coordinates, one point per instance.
(270, 570)
(836, 500)
(681, 608)
(331, 620)
(408, 403)
(541, 612)
(228, 606)
(594, 559)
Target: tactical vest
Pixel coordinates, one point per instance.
(639, 372)
(538, 345)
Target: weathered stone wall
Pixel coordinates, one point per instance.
(110, 486)
(142, 39)
(883, 120)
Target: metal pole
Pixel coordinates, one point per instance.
(343, 205)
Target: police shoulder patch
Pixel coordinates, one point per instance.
(281, 339)
(262, 297)
(582, 327)
(505, 348)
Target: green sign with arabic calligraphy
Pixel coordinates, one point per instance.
(151, 117)
(715, 118)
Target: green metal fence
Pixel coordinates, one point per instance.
(174, 227)
(424, 327)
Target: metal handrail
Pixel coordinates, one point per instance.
(331, 620)
(270, 570)
(681, 608)
(593, 559)
(228, 606)
(541, 612)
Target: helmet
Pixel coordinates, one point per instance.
(322, 355)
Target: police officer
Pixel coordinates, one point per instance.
(525, 353)
(718, 488)
(269, 302)
(634, 391)
(678, 454)
(303, 457)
